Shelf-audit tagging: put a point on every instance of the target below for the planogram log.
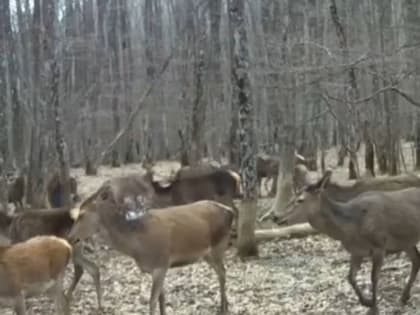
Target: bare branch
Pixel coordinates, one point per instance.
(135, 111)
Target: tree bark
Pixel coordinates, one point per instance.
(199, 102)
(60, 145)
(242, 95)
(418, 141)
(353, 94)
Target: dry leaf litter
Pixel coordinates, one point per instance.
(296, 276)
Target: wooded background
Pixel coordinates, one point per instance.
(321, 74)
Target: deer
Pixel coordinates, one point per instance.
(54, 197)
(302, 176)
(157, 239)
(34, 267)
(342, 191)
(268, 167)
(194, 183)
(189, 184)
(369, 225)
(58, 222)
(16, 191)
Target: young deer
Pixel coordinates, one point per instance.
(56, 222)
(370, 225)
(34, 267)
(158, 239)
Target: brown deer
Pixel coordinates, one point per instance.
(302, 176)
(55, 191)
(157, 239)
(34, 267)
(268, 167)
(58, 222)
(371, 224)
(343, 191)
(16, 191)
(189, 184)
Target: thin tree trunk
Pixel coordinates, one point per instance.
(353, 93)
(242, 95)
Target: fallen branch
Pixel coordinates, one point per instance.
(270, 211)
(292, 231)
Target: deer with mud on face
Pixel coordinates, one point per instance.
(34, 267)
(57, 222)
(194, 183)
(370, 225)
(158, 239)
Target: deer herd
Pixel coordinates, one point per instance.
(163, 223)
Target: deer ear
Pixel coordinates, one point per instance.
(75, 213)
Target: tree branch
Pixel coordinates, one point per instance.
(135, 111)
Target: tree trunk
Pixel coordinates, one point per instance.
(418, 141)
(369, 151)
(242, 96)
(60, 145)
(199, 102)
(42, 49)
(352, 114)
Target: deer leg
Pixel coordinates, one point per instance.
(61, 303)
(273, 189)
(215, 261)
(377, 261)
(162, 302)
(80, 263)
(78, 272)
(20, 306)
(266, 181)
(158, 277)
(355, 264)
(414, 255)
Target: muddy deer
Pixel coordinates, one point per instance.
(57, 222)
(372, 224)
(34, 267)
(157, 239)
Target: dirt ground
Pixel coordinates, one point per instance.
(298, 276)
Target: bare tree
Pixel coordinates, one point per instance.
(242, 95)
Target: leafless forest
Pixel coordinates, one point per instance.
(94, 88)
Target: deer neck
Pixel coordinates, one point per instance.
(341, 193)
(122, 235)
(327, 219)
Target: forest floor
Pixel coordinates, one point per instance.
(296, 276)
